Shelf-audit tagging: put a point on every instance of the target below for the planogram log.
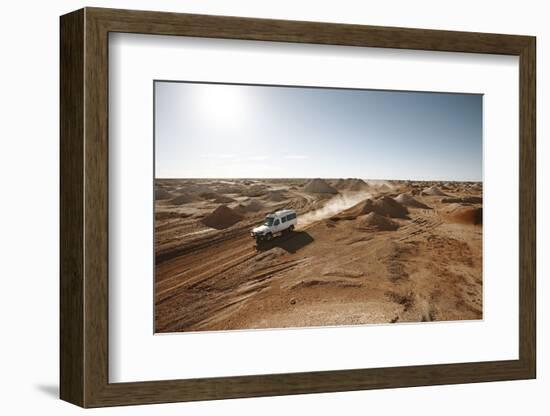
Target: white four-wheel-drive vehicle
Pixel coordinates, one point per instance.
(275, 224)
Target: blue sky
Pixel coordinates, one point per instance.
(244, 131)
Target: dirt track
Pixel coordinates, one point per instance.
(329, 272)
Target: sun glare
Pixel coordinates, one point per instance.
(223, 105)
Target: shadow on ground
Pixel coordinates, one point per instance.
(291, 242)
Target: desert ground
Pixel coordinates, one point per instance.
(364, 252)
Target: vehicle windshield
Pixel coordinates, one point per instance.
(268, 221)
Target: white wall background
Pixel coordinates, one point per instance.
(29, 211)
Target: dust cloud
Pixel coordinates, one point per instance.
(333, 206)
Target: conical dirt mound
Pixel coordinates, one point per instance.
(464, 199)
(319, 186)
(245, 208)
(352, 184)
(222, 217)
(433, 191)
(385, 206)
(377, 222)
(409, 201)
(183, 198)
(466, 214)
(276, 196)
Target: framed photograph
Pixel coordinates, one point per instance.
(255, 207)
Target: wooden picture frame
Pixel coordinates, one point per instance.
(84, 207)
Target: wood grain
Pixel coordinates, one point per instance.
(84, 207)
(72, 370)
(527, 208)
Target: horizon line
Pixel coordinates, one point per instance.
(317, 177)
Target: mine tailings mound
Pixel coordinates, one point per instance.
(384, 206)
(319, 186)
(216, 197)
(252, 206)
(409, 201)
(184, 198)
(466, 214)
(433, 191)
(276, 196)
(222, 199)
(384, 188)
(255, 190)
(352, 184)
(222, 217)
(377, 222)
(209, 195)
(466, 199)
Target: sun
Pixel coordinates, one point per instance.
(222, 105)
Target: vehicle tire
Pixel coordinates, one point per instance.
(291, 228)
(268, 236)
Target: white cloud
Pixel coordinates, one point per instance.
(296, 157)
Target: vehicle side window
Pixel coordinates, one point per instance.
(276, 222)
(283, 219)
(291, 216)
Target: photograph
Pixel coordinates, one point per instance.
(283, 206)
